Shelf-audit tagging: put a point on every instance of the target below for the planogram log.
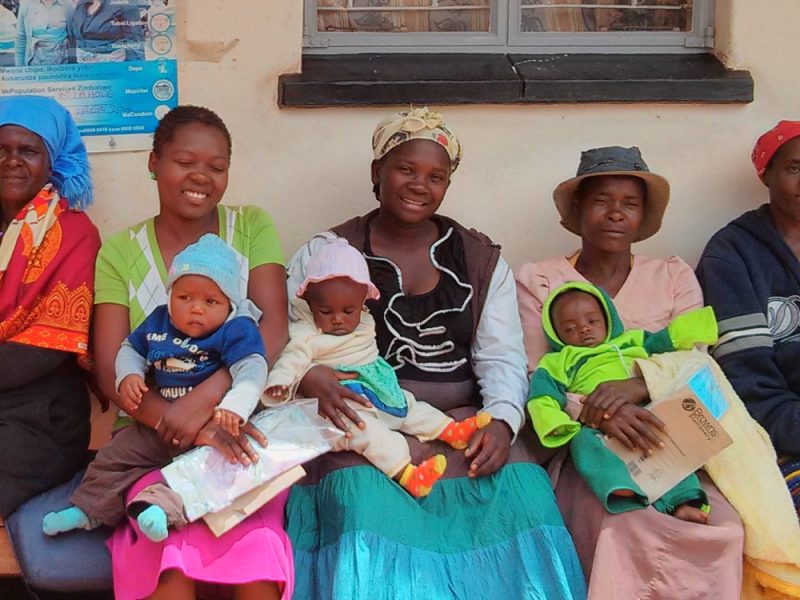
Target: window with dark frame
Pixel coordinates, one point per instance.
(608, 26)
(389, 52)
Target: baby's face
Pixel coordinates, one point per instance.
(336, 304)
(579, 320)
(197, 306)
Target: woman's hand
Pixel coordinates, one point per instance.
(234, 449)
(607, 398)
(635, 427)
(323, 383)
(489, 448)
(182, 421)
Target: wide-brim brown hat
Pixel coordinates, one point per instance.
(614, 160)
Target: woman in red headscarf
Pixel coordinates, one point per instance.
(750, 274)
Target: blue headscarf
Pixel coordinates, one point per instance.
(52, 122)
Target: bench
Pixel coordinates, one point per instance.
(101, 433)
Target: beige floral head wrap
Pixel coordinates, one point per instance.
(416, 124)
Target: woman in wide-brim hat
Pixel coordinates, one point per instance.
(613, 161)
(612, 202)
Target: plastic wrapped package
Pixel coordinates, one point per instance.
(207, 482)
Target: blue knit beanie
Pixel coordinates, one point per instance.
(52, 122)
(210, 257)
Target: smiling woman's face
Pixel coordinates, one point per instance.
(611, 210)
(191, 171)
(412, 180)
(24, 166)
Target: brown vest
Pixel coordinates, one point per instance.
(481, 255)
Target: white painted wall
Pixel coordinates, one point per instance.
(310, 167)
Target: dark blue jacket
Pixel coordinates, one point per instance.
(752, 279)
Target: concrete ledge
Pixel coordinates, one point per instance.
(631, 78)
(391, 79)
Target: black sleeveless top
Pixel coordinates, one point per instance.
(425, 337)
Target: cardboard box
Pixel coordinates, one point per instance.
(693, 436)
(221, 521)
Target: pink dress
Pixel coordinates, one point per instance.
(257, 549)
(641, 554)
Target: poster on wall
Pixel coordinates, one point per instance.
(112, 63)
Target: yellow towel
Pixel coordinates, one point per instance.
(747, 474)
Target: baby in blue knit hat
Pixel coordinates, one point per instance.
(206, 325)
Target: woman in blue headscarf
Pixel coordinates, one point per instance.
(47, 252)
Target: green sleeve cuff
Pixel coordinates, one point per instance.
(552, 425)
(694, 327)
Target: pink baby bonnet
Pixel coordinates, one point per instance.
(337, 258)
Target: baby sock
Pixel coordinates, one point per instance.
(458, 433)
(153, 523)
(418, 480)
(67, 520)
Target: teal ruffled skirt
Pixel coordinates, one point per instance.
(358, 536)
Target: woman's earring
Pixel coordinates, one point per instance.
(153, 175)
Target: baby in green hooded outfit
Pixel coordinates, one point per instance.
(591, 346)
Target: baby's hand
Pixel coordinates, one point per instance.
(130, 392)
(227, 420)
(278, 392)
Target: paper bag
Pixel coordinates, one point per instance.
(221, 521)
(693, 436)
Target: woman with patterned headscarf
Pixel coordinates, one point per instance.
(47, 250)
(447, 322)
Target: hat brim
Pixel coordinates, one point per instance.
(372, 291)
(654, 208)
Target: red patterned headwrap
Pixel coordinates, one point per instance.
(769, 143)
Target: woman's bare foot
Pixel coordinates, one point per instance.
(686, 512)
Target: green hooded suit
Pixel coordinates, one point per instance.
(581, 369)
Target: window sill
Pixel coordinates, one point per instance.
(390, 79)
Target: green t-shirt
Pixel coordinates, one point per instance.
(130, 269)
